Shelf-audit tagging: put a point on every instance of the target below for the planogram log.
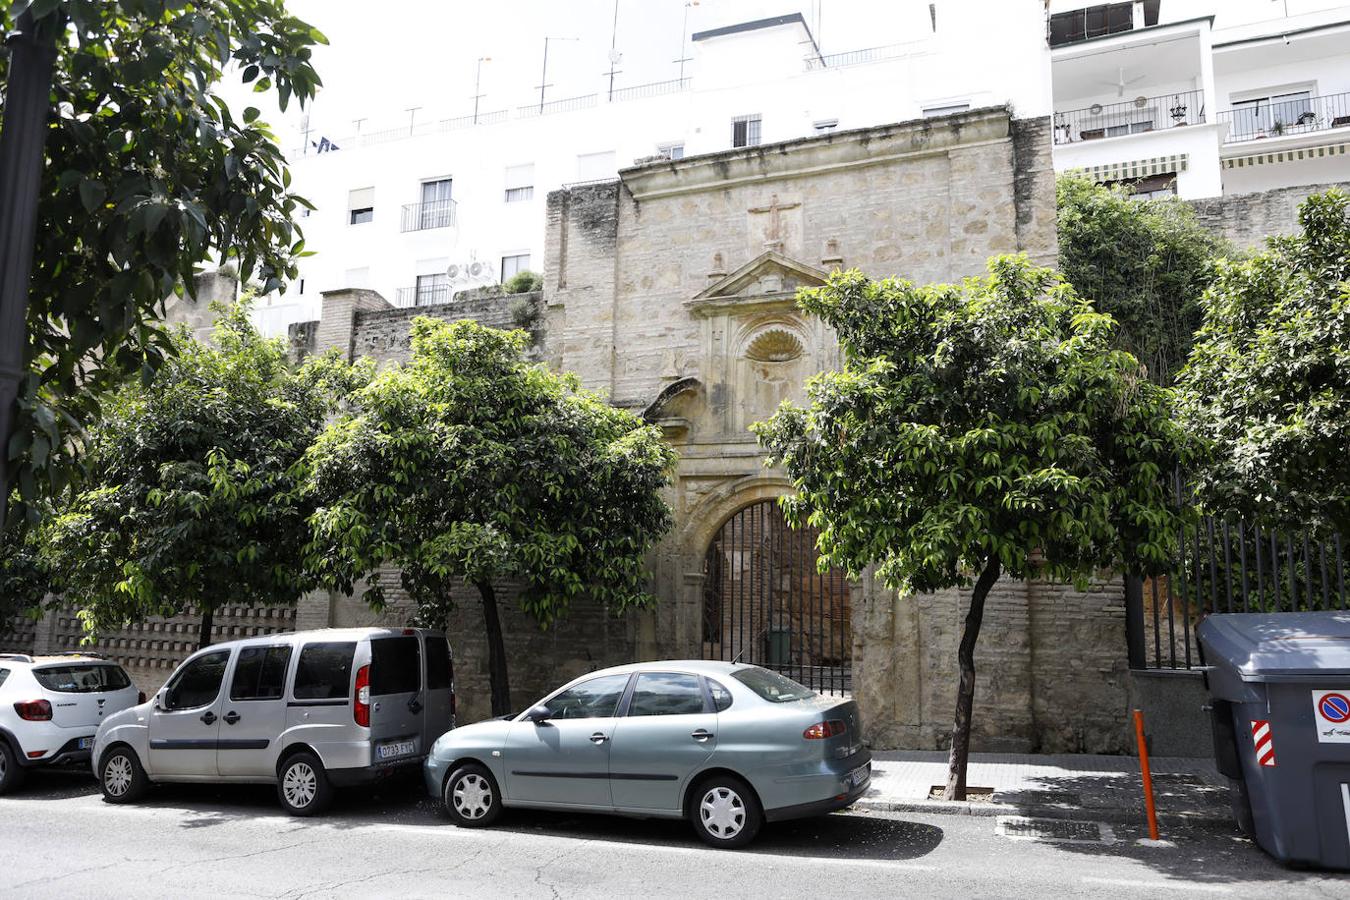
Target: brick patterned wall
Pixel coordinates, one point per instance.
(18, 635)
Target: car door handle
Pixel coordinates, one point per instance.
(701, 735)
(599, 737)
(231, 717)
(209, 717)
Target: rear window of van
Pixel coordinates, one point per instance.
(82, 678)
(324, 671)
(395, 665)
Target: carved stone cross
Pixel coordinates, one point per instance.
(776, 234)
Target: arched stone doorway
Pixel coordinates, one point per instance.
(765, 603)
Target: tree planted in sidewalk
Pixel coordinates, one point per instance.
(469, 464)
(191, 500)
(978, 430)
(149, 175)
(1267, 387)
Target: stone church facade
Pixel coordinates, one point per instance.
(672, 290)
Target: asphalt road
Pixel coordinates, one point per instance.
(61, 840)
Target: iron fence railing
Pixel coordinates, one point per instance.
(1135, 116)
(815, 62)
(422, 295)
(436, 214)
(653, 89)
(556, 106)
(1294, 115)
(1230, 565)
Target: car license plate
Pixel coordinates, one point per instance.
(860, 774)
(395, 749)
(85, 743)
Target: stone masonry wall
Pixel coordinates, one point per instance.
(1248, 219)
(385, 334)
(1051, 674)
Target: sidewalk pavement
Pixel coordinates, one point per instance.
(1102, 788)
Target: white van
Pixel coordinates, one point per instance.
(308, 711)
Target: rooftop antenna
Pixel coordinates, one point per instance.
(412, 117)
(543, 78)
(477, 79)
(614, 54)
(684, 37)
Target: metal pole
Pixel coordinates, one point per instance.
(477, 80)
(613, 47)
(543, 77)
(1135, 645)
(23, 135)
(1147, 775)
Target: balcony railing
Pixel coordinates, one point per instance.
(422, 295)
(436, 214)
(1129, 117)
(556, 106)
(1292, 116)
(652, 89)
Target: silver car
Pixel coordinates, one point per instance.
(727, 746)
(307, 711)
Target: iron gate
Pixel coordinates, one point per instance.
(765, 603)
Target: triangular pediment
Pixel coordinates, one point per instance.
(771, 274)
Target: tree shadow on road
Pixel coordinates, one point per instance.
(1194, 814)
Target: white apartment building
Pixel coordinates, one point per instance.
(420, 211)
(1200, 97)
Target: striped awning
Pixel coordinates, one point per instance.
(1138, 168)
(1280, 156)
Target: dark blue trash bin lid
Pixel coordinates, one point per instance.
(1278, 646)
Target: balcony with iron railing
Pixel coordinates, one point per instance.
(1303, 115)
(1143, 114)
(435, 214)
(422, 295)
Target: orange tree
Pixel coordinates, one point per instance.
(470, 464)
(978, 430)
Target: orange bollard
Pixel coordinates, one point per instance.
(1148, 775)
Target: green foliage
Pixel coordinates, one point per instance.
(1267, 388)
(24, 575)
(149, 176)
(191, 500)
(523, 283)
(1143, 262)
(470, 464)
(991, 420)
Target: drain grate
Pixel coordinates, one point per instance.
(1064, 831)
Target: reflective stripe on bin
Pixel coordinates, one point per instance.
(1265, 746)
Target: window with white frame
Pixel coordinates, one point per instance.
(360, 206)
(432, 288)
(596, 166)
(745, 131)
(671, 151)
(437, 208)
(1273, 114)
(514, 265)
(520, 183)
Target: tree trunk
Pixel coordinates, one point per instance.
(208, 619)
(965, 695)
(497, 677)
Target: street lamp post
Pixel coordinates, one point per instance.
(23, 135)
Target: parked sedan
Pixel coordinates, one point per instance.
(727, 746)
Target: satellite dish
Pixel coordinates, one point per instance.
(1095, 109)
(1141, 101)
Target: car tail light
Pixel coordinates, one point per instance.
(361, 707)
(140, 698)
(822, 730)
(34, 710)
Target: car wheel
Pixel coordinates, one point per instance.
(302, 785)
(725, 812)
(11, 774)
(471, 797)
(121, 776)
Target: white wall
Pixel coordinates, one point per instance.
(1200, 143)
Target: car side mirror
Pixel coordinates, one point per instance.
(159, 700)
(539, 714)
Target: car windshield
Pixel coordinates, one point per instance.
(771, 686)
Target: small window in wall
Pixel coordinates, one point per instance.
(514, 265)
(745, 131)
(671, 151)
(946, 110)
(434, 288)
(519, 183)
(361, 206)
(595, 166)
(822, 126)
